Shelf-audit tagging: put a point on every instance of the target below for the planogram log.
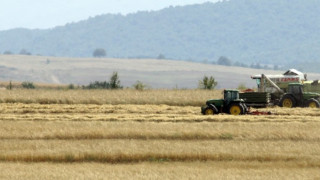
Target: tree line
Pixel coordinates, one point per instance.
(114, 83)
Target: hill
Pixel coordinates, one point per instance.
(156, 73)
(267, 32)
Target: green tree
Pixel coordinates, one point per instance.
(224, 61)
(7, 52)
(99, 52)
(161, 56)
(24, 52)
(10, 85)
(115, 81)
(208, 83)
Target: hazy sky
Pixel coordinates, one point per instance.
(50, 13)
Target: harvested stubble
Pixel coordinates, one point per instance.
(90, 130)
(155, 134)
(124, 151)
(143, 113)
(165, 170)
(126, 96)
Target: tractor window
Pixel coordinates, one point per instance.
(228, 95)
(295, 89)
(258, 82)
(235, 95)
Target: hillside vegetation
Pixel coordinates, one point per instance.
(248, 31)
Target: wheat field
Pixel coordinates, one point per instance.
(126, 96)
(151, 138)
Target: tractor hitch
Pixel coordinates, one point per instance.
(259, 113)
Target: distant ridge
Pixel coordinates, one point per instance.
(284, 32)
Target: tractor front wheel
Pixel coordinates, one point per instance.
(236, 109)
(211, 110)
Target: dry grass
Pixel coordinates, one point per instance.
(166, 170)
(156, 142)
(58, 130)
(128, 150)
(143, 113)
(128, 96)
(35, 121)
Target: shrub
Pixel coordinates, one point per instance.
(114, 83)
(24, 52)
(28, 85)
(98, 85)
(242, 87)
(139, 86)
(71, 86)
(207, 83)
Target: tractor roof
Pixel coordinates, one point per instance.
(289, 73)
(293, 72)
(295, 84)
(233, 90)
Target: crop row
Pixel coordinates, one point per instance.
(127, 96)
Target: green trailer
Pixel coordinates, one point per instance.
(256, 99)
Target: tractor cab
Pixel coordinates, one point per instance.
(231, 94)
(296, 90)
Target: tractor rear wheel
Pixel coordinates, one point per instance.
(287, 101)
(312, 103)
(236, 109)
(211, 110)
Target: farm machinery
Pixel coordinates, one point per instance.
(295, 97)
(231, 104)
(278, 85)
(287, 90)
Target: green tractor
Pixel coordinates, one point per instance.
(231, 104)
(295, 97)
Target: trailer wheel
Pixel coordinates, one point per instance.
(313, 103)
(236, 109)
(211, 110)
(287, 101)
